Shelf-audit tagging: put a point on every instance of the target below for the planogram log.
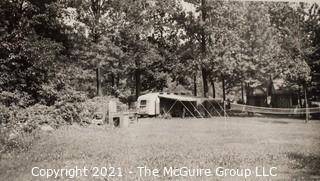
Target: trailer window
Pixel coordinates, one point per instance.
(143, 103)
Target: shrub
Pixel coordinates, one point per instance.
(18, 124)
(70, 107)
(14, 138)
(16, 98)
(69, 112)
(36, 115)
(5, 114)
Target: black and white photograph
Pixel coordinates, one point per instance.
(152, 90)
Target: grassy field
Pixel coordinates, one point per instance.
(290, 145)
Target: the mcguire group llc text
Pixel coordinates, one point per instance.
(144, 171)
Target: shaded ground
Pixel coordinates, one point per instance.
(290, 145)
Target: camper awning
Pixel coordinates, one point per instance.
(185, 98)
(178, 97)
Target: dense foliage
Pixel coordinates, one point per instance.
(52, 49)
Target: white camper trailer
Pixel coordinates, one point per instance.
(149, 104)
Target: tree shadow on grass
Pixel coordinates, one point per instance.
(275, 122)
(309, 164)
(280, 122)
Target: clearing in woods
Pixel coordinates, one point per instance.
(290, 145)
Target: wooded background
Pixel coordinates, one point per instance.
(51, 49)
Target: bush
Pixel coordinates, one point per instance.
(69, 112)
(36, 115)
(16, 98)
(18, 124)
(5, 114)
(70, 107)
(13, 138)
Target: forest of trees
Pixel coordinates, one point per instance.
(51, 49)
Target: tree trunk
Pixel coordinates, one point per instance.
(248, 92)
(300, 97)
(138, 83)
(204, 13)
(213, 88)
(223, 89)
(205, 81)
(118, 80)
(96, 12)
(195, 84)
(98, 79)
(242, 93)
(306, 101)
(203, 50)
(112, 79)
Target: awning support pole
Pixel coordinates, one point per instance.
(187, 109)
(214, 109)
(206, 110)
(166, 113)
(225, 114)
(197, 111)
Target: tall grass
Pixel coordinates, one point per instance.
(294, 148)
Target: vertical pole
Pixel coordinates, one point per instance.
(98, 77)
